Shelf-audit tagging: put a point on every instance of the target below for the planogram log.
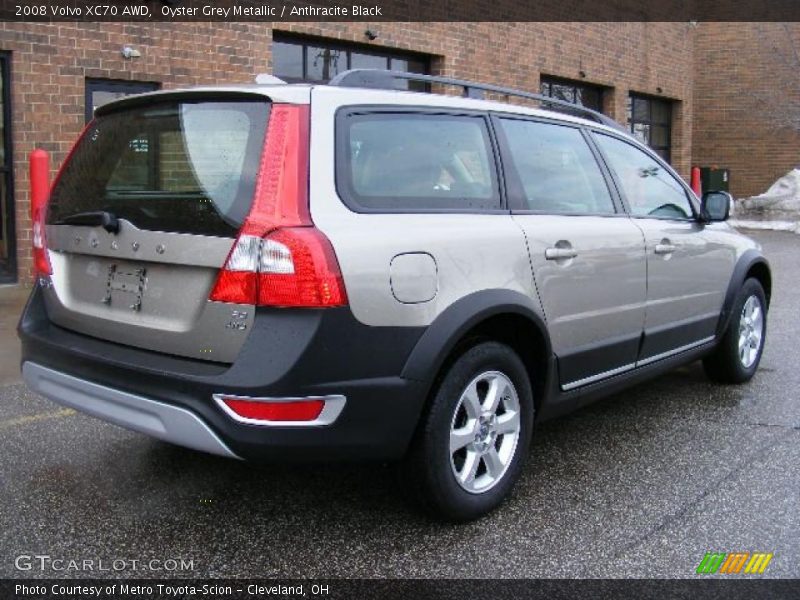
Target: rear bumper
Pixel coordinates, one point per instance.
(162, 421)
(289, 353)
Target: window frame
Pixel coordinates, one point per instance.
(551, 80)
(632, 121)
(10, 274)
(516, 200)
(343, 167)
(304, 41)
(100, 84)
(692, 199)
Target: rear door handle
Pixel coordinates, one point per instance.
(560, 253)
(665, 247)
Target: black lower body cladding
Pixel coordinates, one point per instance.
(289, 353)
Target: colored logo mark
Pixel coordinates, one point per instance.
(734, 563)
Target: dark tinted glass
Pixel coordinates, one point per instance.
(563, 92)
(661, 112)
(641, 132)
(367, 61)
(583, 94)
(181, 167)
(287, 61)
(414, 161)
(659, 136)
(322, 64)
(590, 98)
(650, 121)
(556, 169)
(103, 91)
(641, 109)
(650, 189)
(325, 60)
(410, 66)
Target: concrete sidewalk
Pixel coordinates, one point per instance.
(12, 299)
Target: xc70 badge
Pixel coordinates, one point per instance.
(238, 320)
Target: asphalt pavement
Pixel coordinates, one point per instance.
(642, 484)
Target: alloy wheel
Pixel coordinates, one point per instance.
(484, 432)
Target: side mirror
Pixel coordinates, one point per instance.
(716, 206)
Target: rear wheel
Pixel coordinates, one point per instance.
(736, 358)
(472, 442)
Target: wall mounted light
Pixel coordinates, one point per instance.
(128, 52)
(371, 35)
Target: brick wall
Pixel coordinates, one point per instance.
(51, 61)
(747, 101)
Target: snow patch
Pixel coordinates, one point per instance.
(781, 199)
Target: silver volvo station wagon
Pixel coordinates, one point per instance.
(357, 271)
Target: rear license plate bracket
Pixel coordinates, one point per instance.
(126, 282)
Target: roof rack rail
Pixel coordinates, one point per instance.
(384, 79)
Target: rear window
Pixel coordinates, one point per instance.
(186, 167)
(416, 161)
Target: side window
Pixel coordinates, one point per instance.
(408, 161)
(650, 189)
(556, 169)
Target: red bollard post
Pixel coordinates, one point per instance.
(696, 185)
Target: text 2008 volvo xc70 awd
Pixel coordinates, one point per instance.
(346, 271)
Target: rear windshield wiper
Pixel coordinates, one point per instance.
(101, 218)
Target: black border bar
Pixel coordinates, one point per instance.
(731, 588)
(400, 10)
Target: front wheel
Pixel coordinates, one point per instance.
(471, 444)
(738, 354)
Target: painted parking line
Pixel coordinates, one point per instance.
(8, 423)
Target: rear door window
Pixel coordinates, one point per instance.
(555, 168)
(416, 162)
(186, 167)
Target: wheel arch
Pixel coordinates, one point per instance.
(501, 315)
(759, 270)
(751, 264)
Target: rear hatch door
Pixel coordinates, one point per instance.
(143, 216)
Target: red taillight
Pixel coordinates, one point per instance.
(279, 257)
(281, 411)
(298, 268)
(40, 192)
(281, 195)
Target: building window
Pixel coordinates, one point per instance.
(576, 92)
(103, 91)
(650, 120)
(315, 60)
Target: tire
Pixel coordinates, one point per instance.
(732, 362)
(490, 446)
